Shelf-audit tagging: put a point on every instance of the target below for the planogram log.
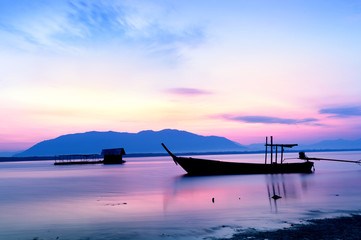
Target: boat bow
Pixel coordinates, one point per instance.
(171, 154)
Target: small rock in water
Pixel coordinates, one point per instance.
(212, 200)
(276, 197)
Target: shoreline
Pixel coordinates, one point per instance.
(132, 155)
(343, 227)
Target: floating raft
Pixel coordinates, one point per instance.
(108, 156)
(78, 159)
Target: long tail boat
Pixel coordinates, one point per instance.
(197, 166)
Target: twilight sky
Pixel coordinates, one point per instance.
(242, 69)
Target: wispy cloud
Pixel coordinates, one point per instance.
(342, 112)
(187, 91)
(271, 120)
(78, 23)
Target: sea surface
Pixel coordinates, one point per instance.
(152, 198)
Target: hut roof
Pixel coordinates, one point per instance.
(113, 151)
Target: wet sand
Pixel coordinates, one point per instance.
(330, 228)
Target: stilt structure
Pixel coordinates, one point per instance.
(112, 156)
(108, 156)
(276, 146)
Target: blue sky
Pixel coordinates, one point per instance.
(238, 69)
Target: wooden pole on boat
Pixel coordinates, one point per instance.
(303, 156)
(276, 153)
(271, 149)
(335, 160)
(282, 154)
(265, 154)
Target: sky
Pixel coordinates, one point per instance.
(241, 69)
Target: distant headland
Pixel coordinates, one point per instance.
(147, 143)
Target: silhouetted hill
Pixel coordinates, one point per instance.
(9, 154)
(334, 145)
(142, 142)
(339, 144)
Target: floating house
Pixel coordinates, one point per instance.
(114, 155)
(107, 156)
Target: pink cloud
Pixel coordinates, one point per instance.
(342, 112)
(271, 120)
(187, 91)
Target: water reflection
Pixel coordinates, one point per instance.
(281, 186)
(204, 193)
(148, 197)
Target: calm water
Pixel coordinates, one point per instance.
(150, 198)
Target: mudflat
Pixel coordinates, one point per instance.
(329, 228)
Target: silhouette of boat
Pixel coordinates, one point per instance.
(197, 166)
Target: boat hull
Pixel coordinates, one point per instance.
(196, 166)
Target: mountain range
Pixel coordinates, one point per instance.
(150, 142)
(142, 142)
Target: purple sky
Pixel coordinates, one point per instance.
(239, 69)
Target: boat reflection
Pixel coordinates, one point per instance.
(277, 189)
(236, 192)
